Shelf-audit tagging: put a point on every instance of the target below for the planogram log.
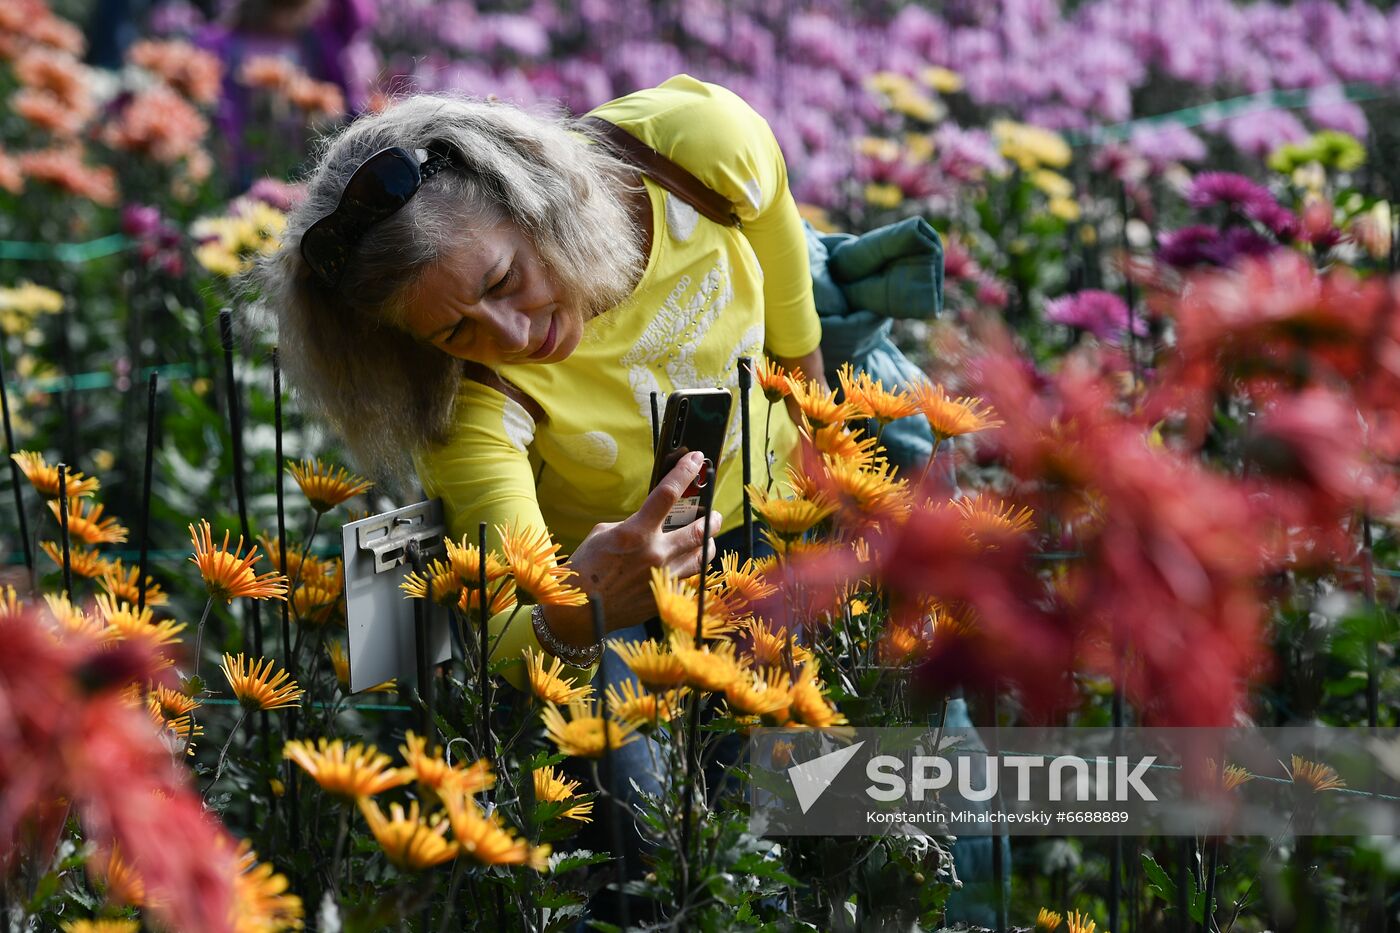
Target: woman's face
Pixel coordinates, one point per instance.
(492, 301)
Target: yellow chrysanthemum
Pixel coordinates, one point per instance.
(261, 899)
(257, 686)
(71, 620)
(345, 772)
(953, 417)
(530, 555)
(653, 663)
(85, 562)
(741, 586)
(548, 683)
(43, 476)
(11, 606)
(872, 491)
(1047, 921)
(678, 605)
(295, 565)
(868, 397)
(1080, 923)
(755, 694)
(102, 926)
(987, 520)
(502, 596)
(883, 194)
(943, 80)
(487, 840)
(809, 705)
(582, 734)
(121, 583)
(88, 525)
(710, 667)
(128, 624)
(1229, 779)
(1315, 775)
(326, 486)
(643, 708)
(437, 576)
(550, 787)
(465, 560)
(773, 380)
(409, 841)
(340, 663)
(1030, 147)
(229, 574)
(171, 702)
(432, 771)
(788, 518)
(898, 644)
(313, 604)
(818, 406)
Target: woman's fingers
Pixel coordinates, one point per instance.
(668, 492)
(684, 544)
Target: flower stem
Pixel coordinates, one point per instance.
(199, 634)
(223, 753)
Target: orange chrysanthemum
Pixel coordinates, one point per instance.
(102, 926)
(188, 69)
(872, 491)
(582, 734)
(43, 476)
(486, 839)
(755, 694)
(953, 417)
(11, 606)
(257, 686)
(871, 399)
(465, 560)
(773, 380)
(261, 901)
(313, 604)
(1314, 775)
(124, 887)
(69, 619)
(741, 586)
(809, 705)
(1047, 921)
(345, 772)
(432, 771)
(325, 486)
(63, 168)
(410, 841)
(120, 583)
(85, 562)
(1080, 923)
(87, 525)
(228, 574)
(842, 443)
(987, 520)
(819, 406)
(770, 648)
(530, 555)
(502, 596)
(128, 624)
(307, 568)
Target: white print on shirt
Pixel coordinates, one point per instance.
(681, 218)
(518, 425)
(596, 450)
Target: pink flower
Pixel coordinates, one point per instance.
(1103, 314)
(1233, 191)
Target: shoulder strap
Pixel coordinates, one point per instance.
(478, 373)
(664, 172)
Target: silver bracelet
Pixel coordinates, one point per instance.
(569, 654)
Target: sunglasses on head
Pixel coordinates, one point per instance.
(379, 188)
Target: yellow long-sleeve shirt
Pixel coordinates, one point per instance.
(710, 294)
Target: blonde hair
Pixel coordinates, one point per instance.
(385, 394)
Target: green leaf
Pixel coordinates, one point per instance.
(44, 890)
(1159, 882)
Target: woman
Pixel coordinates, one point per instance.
(492, 305)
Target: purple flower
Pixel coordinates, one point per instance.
(1166, 143)
(1201, 245)
(1103, 314)
(966, 155)
(1261, 132)
(1279, 220)
(1226, 188)
(278, 194)
(141, 221)
(1329, 109)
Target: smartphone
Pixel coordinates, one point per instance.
(695, 419)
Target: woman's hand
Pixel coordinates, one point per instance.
(616, 559)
